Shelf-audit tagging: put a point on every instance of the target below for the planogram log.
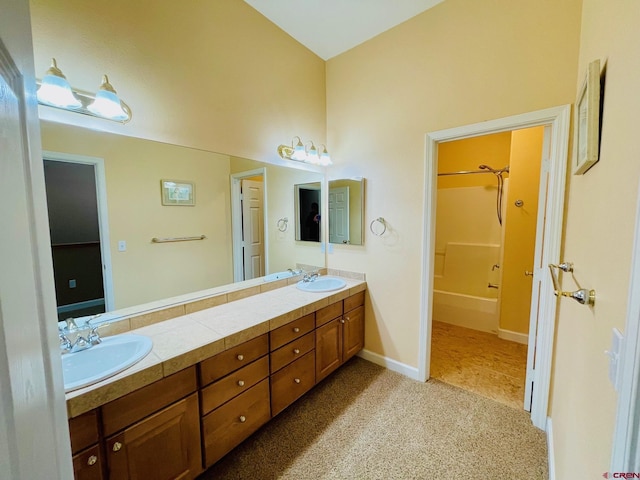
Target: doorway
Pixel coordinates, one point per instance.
(76, 202)
(553, 178)
(248, 213)
(486, 218)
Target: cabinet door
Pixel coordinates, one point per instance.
(353, 333)
(87, 465)
(328, 348)
(164, 446)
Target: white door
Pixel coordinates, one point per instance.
(253, 229)
(34, 436)
(539, 270)
(339, 215)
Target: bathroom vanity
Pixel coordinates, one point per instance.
(184, 408)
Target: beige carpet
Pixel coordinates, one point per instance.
(366, 422)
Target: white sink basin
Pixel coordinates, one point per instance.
(104, 360)
(322, 284)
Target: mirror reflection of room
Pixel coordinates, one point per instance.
(308, 201)
(346, 211)
(123, 178)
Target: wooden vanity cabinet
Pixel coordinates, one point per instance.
(87, 453)
(234, 396)
(339, 334)
(154, 432)
(292, 362)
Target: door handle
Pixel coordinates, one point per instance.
(527, 273)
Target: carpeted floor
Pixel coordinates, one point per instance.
(366, 422)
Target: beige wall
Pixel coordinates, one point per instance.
(599, 234)
(214, 75)
(133, 170)
(459, 63)
(520, 229)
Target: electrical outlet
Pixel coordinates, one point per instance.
(72, 283)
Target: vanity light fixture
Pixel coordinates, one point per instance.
(54, 91)
(307, 153)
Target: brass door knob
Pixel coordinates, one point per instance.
(527, 273)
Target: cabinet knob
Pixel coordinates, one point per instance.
(117, 446)
(241, 383)
(242, 419)
(296, 330)
(297, 380)
(342, 320)
(296, 351)
(92, 460)
(346, 318)
(240, 357)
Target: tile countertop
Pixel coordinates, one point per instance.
(186, 340)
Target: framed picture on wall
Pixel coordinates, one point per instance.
(178, 192)
(587, 121)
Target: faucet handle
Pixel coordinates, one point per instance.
(71, 323)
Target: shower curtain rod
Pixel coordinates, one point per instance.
(467, 172)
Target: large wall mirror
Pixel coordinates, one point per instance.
(117, 246)
(346, 211)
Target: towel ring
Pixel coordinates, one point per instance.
(283, 224)
(384, 226)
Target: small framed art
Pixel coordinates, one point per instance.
(587, 121)
(178, 192)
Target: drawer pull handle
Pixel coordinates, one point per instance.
(117, 446)
(296, 351)
(297, 380)
(242, 419)
(241, 383)
(240, 357)
(296, 329)
(92, 460)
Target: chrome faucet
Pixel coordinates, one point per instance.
(294, 272)
(85, 336)
(311, 276)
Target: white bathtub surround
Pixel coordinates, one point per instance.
(477, 313)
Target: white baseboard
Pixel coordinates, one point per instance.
(551, 454)
(513, 336)
(393, 365)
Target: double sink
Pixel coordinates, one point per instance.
(119, 352)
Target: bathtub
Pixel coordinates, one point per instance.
(478, 313)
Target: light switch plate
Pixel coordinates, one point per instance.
(614, 355)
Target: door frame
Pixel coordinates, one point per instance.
(103, 215)
(236, 220)
(559, 120)
(625, 455)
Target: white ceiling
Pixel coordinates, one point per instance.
(330, 27)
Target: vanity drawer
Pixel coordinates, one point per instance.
(327, 314)
(227, 426)
(292, 351)
(83, 430)
(126, 410)
(291, 331)
(291, 382)
(230, 360)
(354, 301)
(234, 384)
